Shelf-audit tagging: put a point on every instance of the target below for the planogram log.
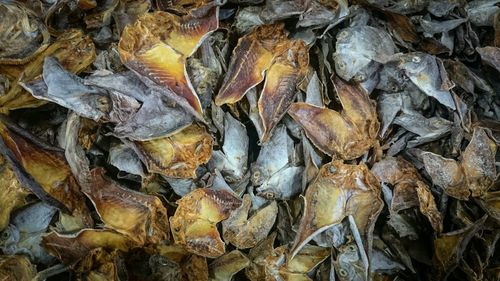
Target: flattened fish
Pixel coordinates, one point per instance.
(141, 217)
(157, 45)
(348, 134)
(283, 76)
(338, 191)
(178, 155)
(252, 56)
(194, 224)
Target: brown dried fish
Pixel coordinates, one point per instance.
(473, 175)
(244, 231)
(348, 134)
(16, 268)
(278, 92)
(73, 49)
(70, 248)
(12, 193)
(194, 224)
(179, 155)
(339, 190)
(141, 217)
(47, 166)
(409, 189)
(157, 45)
(23, 35)
(251, 58)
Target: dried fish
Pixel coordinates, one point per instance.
(348, 134)
(194, 222)
(356, 192)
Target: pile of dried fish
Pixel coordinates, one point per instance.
(249, 140)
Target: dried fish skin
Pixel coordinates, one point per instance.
(73, 49)
(141, 217)
(23, 35)
(66, 89)
(16, 268)
(194, 224)
(481, 12)
(48, 167)
(232, 160)
(12, 193)
(100, 265)
(279, 89)
(359, 46)
(423, 70)
(157, 45)
(179, 155)
(348, 134)
(71, 248)
(244, 231)
(251, 58)
(338, 191)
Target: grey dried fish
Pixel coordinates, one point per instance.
(424, 72)
(24, 234)
(481, 12)
(357, 47)
(231, 161)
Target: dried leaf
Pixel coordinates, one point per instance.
(194, 224)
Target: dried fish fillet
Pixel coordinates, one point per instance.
(244, 231)
(73, 49)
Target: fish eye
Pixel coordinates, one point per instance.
(343, 35)
(351, 248)
(415, 59)
(4, 235)
(343, 272)
(359, 77)
(332, 169)
(341, 64)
